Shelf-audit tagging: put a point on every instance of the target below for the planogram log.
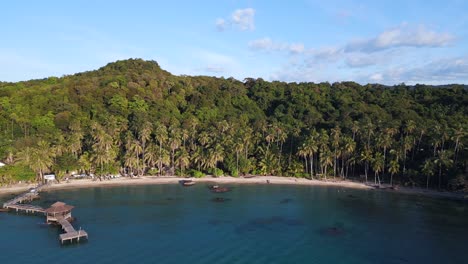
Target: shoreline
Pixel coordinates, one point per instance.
(276, 180)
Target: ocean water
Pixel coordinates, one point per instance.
(254, 224)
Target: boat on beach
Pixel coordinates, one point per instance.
(187, 182)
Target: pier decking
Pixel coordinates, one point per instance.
(59, 213)
(70, 232)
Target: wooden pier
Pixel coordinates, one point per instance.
(70, 232)
(27, 208)
(59, 213)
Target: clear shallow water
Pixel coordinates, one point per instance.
(260, 224)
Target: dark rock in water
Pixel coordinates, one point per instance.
(286, 200)
(220, 200)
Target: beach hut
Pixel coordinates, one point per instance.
(58, 211)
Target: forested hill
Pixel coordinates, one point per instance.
(133, 117)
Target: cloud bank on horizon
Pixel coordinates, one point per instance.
(387, 42)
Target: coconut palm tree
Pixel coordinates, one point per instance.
(302, 152)
(182, 160)
(151, 155)
(366, 157)
(377, 166)
(349, 145)
(311, 148)
(174, 144)
(335, 134)
(144, 136)
(393, 168)
(216, 154)
(161, 136)
(428, 169)
(326, 159)
(443, 160)
(42, 158)
(458, 134)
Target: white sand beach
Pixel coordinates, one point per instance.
(149, 180)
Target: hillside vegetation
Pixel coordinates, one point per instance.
(134, 118)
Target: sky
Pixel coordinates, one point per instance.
(367, 41)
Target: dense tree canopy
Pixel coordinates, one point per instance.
(135, 118)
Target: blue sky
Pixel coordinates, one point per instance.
(299, 40)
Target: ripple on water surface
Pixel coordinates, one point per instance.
(249, 224)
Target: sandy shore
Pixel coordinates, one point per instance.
(148, 180)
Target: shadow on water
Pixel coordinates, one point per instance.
(286, 201)
(335, 230)
(220, 200)
(269, 224)
(217, 222)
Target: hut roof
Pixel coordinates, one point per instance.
(59, 207)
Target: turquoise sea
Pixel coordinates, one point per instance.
(254, 224)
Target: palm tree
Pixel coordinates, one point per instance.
(238, 147)
(216, 155)
(161, 137)
(182, 160)
(85, 162)
(302, 152)
(131, 162)
(151, 155)
(174, 144)
(134, 148)
(322, 142)
(408, 142)
(377, 166)
(42, 158)
(393, 168)
(335, 134)
(428, 169)
(326, 159)
(349, 145)
(355, 129)
(443, 160)
(366, 157)
(144, 136)
(458, 133)
(311, 148)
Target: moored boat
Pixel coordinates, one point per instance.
(187, 182)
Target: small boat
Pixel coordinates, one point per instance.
(187, 182)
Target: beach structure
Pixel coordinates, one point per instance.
(49, 178)
(58, 213)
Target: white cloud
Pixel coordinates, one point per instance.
(296, 48)
(441, 71)
(221, 24)
(240, 19)
(376, 77)
(262, 44)
(244, 18)
(401, 36)
(267, 44)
